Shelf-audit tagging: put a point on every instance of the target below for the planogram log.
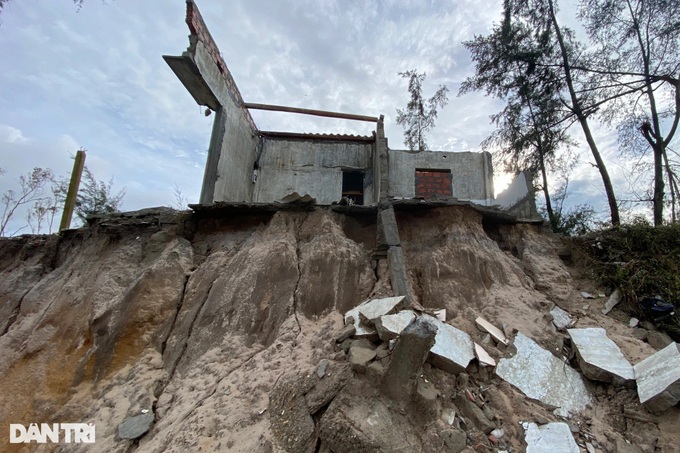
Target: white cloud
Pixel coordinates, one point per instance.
(9, 134)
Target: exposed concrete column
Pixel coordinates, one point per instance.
(388, 240)
(408, 357)
(381, 167)
(214, 151)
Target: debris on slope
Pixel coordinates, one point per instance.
(229, 332)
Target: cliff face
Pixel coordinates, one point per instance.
(216, 323)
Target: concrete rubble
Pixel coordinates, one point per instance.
(483, 357)
(390, 326)
(658, 379)
(544, 377)
(494, 331)
(369, 311)
(552, 437)
(599, 357)
(613, 301)
(561, 318)
(453, 349)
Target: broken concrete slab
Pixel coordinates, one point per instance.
(369, 311)
(553, 437)
(390, 326)
(599, 357)
(658, 379)
(408, 357)
(544, 377)
(494, 331)
(135, 427)
(453, 349)
(613, 301)
(561, 318)
(483, 357)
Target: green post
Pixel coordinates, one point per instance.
(73, 186)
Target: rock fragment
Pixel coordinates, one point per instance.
(561, 318)
(613, 301)
(553, 437)
(494, 331)
(542, 376)
(135, 427)
(658, 379)
(599, 357)
(476, 415)
(359, 357)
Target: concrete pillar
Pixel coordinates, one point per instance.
(214, 151)
(408, 357)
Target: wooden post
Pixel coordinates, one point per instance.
(72, 194)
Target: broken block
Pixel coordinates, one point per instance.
(390, 326)
(552, 437)
(483, 357)
(599, 357)
(613, 301)
(363, 314)
(658, 379)
(453, 349)
(408, 357)
(542, 376)
(561, 318)
(359, 357)
(494, 331)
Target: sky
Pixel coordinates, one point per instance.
(94, 78)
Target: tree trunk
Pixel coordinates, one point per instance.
(583, 121)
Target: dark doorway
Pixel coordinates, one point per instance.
(353, 186)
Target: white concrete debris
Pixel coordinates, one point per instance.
(561, 318)
(633, 322)
(552, 437)
(440, 314)
(453, 349)
(389, 326)
(494, 331)
(599, 357)
(613, 301)
(542, 376)
(587, 295)
(658, 379)
(483, 357)
(369, 311)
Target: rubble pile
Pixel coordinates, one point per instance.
(423, 368)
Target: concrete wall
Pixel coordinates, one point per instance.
(472, 173)
(234, 141)
(311, 167)
(519, 197)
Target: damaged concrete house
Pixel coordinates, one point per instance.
(426, 315)
(246, 164)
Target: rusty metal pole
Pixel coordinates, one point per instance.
(73, 186)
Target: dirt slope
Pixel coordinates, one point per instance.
(217, 325)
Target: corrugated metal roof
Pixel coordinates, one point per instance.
(317, 136)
